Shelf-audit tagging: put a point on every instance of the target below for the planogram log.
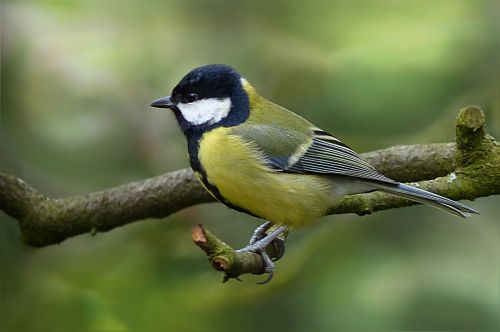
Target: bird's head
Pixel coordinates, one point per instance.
(207, 97)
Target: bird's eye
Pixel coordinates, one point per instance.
(191, 97)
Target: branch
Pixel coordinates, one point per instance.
(45, 221)
(472, 164)
(224, 258)
(473, 167)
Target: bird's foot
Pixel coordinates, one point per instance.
(260, 232)
(258, 244)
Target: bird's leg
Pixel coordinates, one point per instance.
(260, 232)
(264, 242)
(258, 245)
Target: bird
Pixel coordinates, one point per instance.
(259, 158)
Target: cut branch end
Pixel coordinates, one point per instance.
(224, 258)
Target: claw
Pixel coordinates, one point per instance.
(269, 278)
(258, 245)
(268, 267)
(260, 232)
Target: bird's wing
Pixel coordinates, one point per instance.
(309, 151)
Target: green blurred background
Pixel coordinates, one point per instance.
(77, 79)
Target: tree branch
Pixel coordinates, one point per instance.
(472, 165)
(474, 171)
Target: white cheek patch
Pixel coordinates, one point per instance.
(210, 110)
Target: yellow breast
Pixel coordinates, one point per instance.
(238, 170)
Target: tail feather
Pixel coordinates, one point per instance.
(426, 197)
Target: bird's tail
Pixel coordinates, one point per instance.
(426, 197)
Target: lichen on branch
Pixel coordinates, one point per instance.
(224, 258)
(465, 170)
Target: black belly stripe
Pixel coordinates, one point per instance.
(193, 150)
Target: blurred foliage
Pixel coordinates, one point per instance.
(77, 78)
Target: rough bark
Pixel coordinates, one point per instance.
(467, 169)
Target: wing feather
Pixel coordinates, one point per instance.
(312, 151)
(328, 155)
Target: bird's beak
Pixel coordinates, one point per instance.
(163, 102)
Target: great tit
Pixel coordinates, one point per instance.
(259, 158)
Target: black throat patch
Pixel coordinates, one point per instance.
(240, 110)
